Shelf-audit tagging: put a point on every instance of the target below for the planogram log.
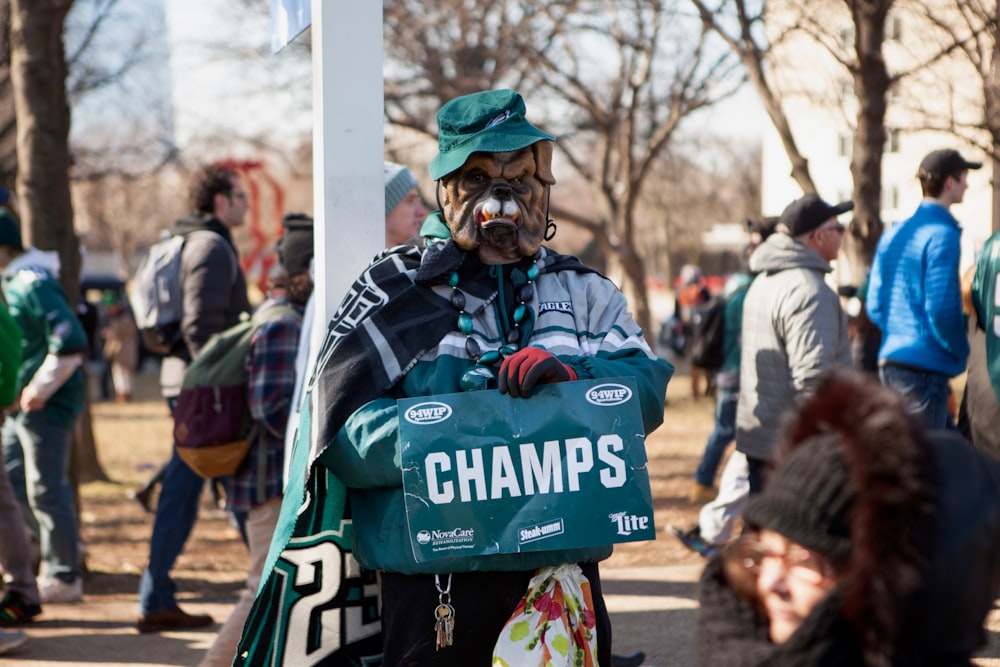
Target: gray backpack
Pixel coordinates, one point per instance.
(157, 294)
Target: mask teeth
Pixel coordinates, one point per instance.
(483, 216)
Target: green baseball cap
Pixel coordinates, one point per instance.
(491, 121)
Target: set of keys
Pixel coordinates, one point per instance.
(444, 615)
(444, 624)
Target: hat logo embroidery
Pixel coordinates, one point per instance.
(499, 119)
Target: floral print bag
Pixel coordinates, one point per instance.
(553, 625)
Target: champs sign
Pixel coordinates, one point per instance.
(484, 473)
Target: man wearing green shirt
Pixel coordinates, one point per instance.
(36, 437)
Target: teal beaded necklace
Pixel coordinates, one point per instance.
(484, 374)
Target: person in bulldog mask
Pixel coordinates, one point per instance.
(477, 303)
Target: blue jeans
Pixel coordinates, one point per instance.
(722, 435)
(926, 393)
(15, 555)
(176, 511)
(36, 453)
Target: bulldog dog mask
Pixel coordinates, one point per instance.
(493, 169)
(495, 203)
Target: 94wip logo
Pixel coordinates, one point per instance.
(608, 394)
(627, 523)
(428, 412)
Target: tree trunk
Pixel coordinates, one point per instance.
(86, 467)
(991, 113)
(634, 288)
(38, 78)
(38, 81)
(8, 127)
(871, 82)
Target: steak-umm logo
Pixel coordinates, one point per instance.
(431, 412)
(609, 394)
(540, 531)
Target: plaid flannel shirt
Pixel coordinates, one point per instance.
(270, 368)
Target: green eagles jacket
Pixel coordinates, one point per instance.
(38, 304)
(578, 316)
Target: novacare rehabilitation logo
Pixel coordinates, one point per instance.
(443, 540)
(609, 393)
(430, 412)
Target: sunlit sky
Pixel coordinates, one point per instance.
(226, 81)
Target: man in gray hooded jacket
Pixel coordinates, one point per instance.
(793, 325)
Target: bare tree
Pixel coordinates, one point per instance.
(38, 78)
(124, 211)
(614, 80)
(8, 126)
(742, 28)
(38, 81)
(971, 29)
(871, 85)
(622, 126)
(983, 51)
(119, 88)
(455, 47)
(689, 196)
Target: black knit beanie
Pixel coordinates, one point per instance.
(808, 498)
(10, 230)
(295, 247)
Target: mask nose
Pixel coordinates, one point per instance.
(502, 192)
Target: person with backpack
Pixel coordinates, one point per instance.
(689, 305)
(37, 437)
(213, 296)
(715, 520)
(257, 485)
(725, 365)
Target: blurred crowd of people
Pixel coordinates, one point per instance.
(856, 521)
(834, 452)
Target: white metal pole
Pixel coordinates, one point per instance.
(348, 175)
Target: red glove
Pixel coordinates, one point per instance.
(521, 371)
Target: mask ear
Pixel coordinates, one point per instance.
(543, 161)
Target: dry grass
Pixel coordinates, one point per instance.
(133, 441)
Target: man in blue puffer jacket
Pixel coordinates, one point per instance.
(914, 295)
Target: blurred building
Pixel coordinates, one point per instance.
(818, 97)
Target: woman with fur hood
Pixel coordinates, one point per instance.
(873, 543)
